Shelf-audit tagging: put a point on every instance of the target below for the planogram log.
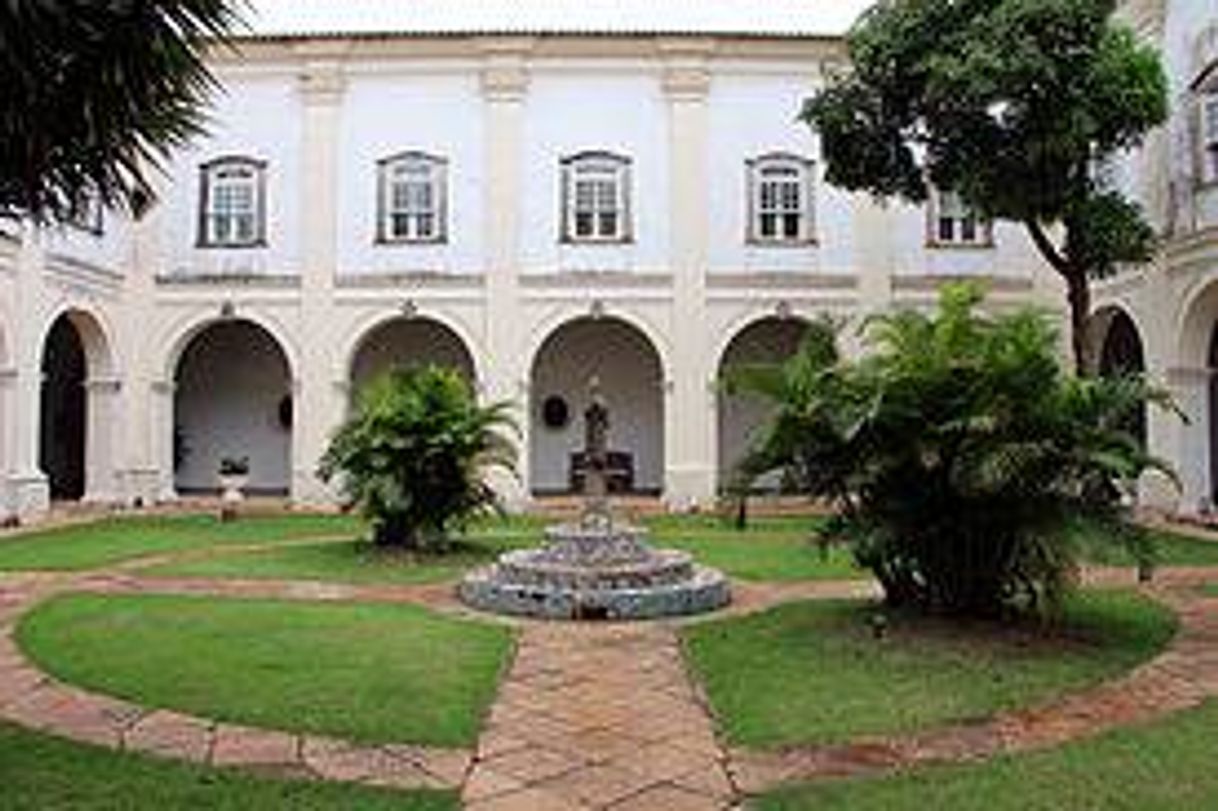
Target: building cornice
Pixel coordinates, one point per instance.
(299, 50)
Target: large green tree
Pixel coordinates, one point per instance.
(94, 93)
(1012, 104)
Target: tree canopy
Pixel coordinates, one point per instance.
(94, 94)
(1013, 104)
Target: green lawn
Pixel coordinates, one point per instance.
(40, 772)
(368, 672)
(812, 673)
(1164, 766)
(1169, 549)
(86, 546)
(344, 562)
(770, 549)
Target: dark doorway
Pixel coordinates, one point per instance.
(1122, 354)
(61, 447)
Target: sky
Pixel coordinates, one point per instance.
(429, 16)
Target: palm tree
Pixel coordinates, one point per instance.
(957, 453)
(413, 455)
(93, 93)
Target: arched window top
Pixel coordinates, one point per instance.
(412, 198)
(413, 157)
(232, 202)
(592, 158)
(780, 199)
(232, 162)
(595, 197)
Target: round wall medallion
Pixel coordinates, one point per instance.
(554, 412)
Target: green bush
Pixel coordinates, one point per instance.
(956, 451)
(413, 455)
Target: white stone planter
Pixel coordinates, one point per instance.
(232, 485)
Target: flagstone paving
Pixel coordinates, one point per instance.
(589, 716)
(598, 716)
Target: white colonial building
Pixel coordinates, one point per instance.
(533, 206)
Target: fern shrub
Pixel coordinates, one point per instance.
(413, 455)
(956, 450)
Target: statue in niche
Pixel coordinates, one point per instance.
(596, 458)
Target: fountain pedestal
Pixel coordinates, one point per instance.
(595, 568)
(596, 572)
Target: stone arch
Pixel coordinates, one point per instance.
(1196, 389)
(232, 398)
(547, 326)
(406, 339)
(630, 369)
(76, 405)
(188, 328)
(760, 339)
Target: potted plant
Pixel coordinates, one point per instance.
(234, 475)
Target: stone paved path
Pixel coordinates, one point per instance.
(589, 716)
(594, 717)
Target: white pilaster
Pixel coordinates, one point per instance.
(28, 487)
(505, 82)
(316, 408)
(689, 424)
(101, 418)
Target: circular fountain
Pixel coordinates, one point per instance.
(595, 568)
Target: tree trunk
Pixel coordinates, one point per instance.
(1078, 293)
(1079, 296)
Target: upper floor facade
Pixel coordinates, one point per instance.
(539, 156)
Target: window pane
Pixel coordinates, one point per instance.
(947, 229)
(400, 225)
(606, 194)
(583, 224)
(608, 224)
(968, 229)
(426, 226)
(219, 228)
(790, 227)
(245, 228)
(768, 196)
(950, 205)
(768, 225)
(400, 197)
(584, 195)
(790, 196)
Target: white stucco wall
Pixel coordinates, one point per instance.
(570, 111)
(257, 116)
(391, 109)
(752, 113)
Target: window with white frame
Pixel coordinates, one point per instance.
(780, 199)
(596, 198)
(1207, 147)
(954, 223)
(412, 198)
(232, 203)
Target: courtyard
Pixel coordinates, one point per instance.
(280, 661)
